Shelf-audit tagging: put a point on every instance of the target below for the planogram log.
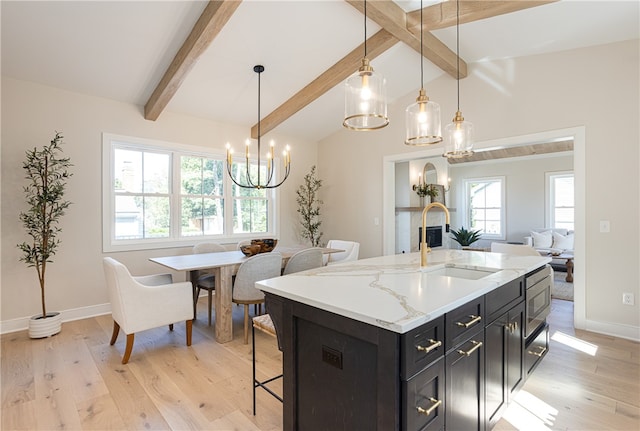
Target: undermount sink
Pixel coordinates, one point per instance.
(456, 272)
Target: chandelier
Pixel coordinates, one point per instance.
(255, 181)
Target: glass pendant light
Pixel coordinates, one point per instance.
(459, 134)
(423, 117)
(365, 102)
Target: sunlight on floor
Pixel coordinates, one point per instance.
(575, 343)
(530, 413)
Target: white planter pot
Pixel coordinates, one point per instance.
(42, 328)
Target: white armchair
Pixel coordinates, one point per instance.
(141, 303)
(351, 251)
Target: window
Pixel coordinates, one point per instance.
(158, 195)
(485, 206)
(560, 198)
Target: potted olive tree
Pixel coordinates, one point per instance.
(47, 173)
(309, 207)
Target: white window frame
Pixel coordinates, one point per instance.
(110, 244)
(550, 197)
(467, 206)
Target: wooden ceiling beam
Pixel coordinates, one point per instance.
(443, 14)
(393, 18)
(376, 45)
(214, 17)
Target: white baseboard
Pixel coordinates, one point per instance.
(614, 329)
(22, 323)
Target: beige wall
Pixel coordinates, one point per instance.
(595, 88)
(31, 114)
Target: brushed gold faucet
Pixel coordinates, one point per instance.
(424, 248)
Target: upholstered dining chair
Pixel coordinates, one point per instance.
(206, 280)
(141, 303)
(301, 261)
(259, 267)
(351, 251)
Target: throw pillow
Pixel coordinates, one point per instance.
(564, 242)
(542, 239)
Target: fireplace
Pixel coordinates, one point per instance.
(434, 236)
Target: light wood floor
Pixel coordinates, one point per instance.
(74, 381)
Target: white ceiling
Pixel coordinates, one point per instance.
(120, 50)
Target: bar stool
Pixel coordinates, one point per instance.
(264, 324)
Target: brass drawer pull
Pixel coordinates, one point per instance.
(474, 319)
(538, 354)
(427, 412)
(434, 345)
(476, 346)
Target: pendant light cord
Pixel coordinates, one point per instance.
(365, 28)
(421, 55)
(458, 48)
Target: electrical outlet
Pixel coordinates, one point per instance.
(627, 299)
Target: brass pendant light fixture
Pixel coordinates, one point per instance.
(248, 181)
(459, 134)
(423, 117)
(365, 102)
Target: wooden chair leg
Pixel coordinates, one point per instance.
(189, 331)
(116, 331)
(210, 295)
(246, 323)
(128, 348)
(170, 326)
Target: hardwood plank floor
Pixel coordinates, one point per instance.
(75, 381)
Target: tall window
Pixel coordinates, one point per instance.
(560, 196)
(485, 206)
(158, 195)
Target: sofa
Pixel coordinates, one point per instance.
(553, 241)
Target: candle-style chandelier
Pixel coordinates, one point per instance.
(249, 182)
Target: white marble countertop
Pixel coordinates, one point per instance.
(392, 292)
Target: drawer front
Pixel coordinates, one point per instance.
(421, 346)
(536, 349)
(503, 298)
(463, 322)
(423, 399)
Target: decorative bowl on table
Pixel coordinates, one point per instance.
(266, 244)
(250, 249)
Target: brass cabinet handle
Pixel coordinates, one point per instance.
(476, 346)
(511, 327)
(434, 345)
(427, 412)
(540, 353)
(474, 319)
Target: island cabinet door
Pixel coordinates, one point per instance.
(464, 370)
(423, 399)
(339, 374)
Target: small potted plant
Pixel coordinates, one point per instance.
(47, 172)
(309, 207)
(465, 237)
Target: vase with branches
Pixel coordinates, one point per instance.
(309, 207)
(423, 190)
(47, 172)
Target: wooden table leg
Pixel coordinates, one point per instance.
(223, 304)
(569, 278)
(193, 277)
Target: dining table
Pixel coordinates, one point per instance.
(224, 266)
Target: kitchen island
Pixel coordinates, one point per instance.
(383, 344)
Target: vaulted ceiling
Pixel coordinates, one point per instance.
(196, 57)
